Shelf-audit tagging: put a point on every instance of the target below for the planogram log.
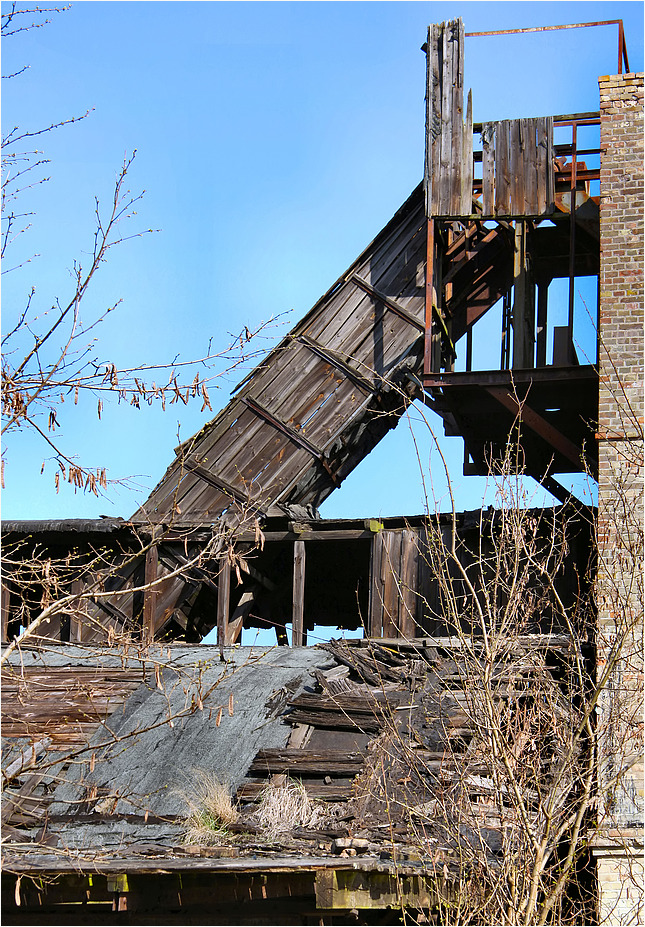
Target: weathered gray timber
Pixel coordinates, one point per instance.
(518, 174)
(449, 140)
(518, 178)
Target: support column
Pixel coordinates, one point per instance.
(150, 592)
(297, 617)
(75, 622)
(6, 602)
(223, 599)
(523, 303)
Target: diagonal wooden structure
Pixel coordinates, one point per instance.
(494, 222)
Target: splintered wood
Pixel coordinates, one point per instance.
(449, 141)
(518, 175)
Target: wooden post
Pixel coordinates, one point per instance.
(523, 304)
(150, 592)
(6, 603)
(298, 612)
(375, 623)
(223, 599)
(75, 623)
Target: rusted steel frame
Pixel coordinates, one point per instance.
(332, 358)
(503, 379)
(538, 424)
(387, 302)
(541, 333)
(218, 483)
(553, 486)
(622, 47)
(282, 427)
(566, 149)
(429, 293)
(581, 119)
(589, 174)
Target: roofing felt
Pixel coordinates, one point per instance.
(192, 713)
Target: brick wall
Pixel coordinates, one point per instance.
(620, 502)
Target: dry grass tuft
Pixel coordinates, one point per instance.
(211, 809)
(283, 807)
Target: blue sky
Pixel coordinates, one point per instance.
(274, 140)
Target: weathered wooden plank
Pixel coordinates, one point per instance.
(335, 360)
(550, 172)
(337, 720)
(307, 762)
(408, 582)
(334, 791)
(292, 433)
(349, 702)
(390, 568)
(502, 169)
(391, 304)
(446, 159)
(531, 168)
(6, 611)
(456, 30)
(467, 159)
(375, 623)
(488, 169)
(542, 167)
(515, 167)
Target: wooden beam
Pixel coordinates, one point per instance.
(6, 607)
(223, 599)
(539, 425)
(241, 611)
(75, 623)
(375, 619)
(335, 360)
(523, 303)
(224, 487)
(297, 437)
(390, 304)
(297, 617)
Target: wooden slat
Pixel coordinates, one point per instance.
(295, 436)
(488, 169)
(390, 569)
(543, 167)
(467, 158)
(445, 184)
(456, 45)
(389, 303)
(550, 172)
(502, 167)
(307, 762)
(336, 361)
